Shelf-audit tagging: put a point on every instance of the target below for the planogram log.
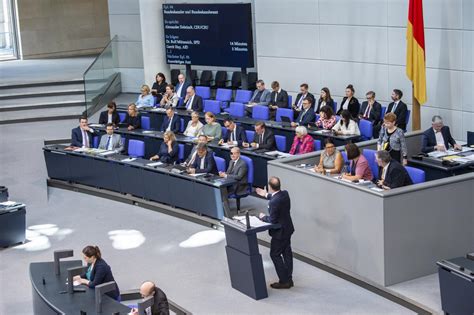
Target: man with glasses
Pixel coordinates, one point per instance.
(235, 134)
(237, 170)
(111, 141)
(371, 110)
(438, 137)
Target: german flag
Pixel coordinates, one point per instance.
(416, 71)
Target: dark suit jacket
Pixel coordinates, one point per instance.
(330, 103)
(375, 112)
(209, 164)
(197, 104)
(175, 123)
(160, 305)
(239, 173)
(101, 273)
(186, 84)
(305, 118)
(133, 121)
(240, 134)
(279, 213)
(308, 96)
(168, 157)
(397, 175)
(353, 107)
(401, 112)
(281, 99)
(188, 160)
(429, 139)
(103, 118)
(76, 137)
(268, 143)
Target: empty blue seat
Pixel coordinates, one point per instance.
(122, 116)
(136, 148)
(250, 135)
(407, 118)
(180, 102)
(382, 112)
(280, 143)
(417, 176)
(366, 129)
(224, 131)
(145, 121)
(317, 145)
(203, 91)
(334, 106)
(212, 106)
(224, 96)
(180, 152)
(181, 125)
(260, 112)
(236, 109)
(284, 112)
(95, 142)
(243, 96)
(290, 101)
(370, 156)
(249, 163)
(220, 164)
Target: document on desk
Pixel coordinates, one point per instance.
(254, 221)
(96, 125)
(107, 153)
(155, 164)
(377, 189)
(129, 160)
(437, 154)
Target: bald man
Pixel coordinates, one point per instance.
(160, 306)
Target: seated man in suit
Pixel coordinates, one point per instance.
(237, 170)
(171, 122)
(111, 141)
(110, 115)
(204, 162)
(438, 137)
(306, 115)
(81, 136)
(160, 305)
(192, 156)
(371, 110)
(393, 173)
(182, 86)
(264, 138)
(398, 108)
(304, 94)
(192, 102)
(278, 99)
(235, 134)
(261, 96)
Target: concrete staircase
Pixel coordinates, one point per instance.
(41, 101)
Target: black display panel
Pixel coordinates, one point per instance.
(209, 34)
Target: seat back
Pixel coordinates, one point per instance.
(249, 163)
(206, 78)
(224, 131)
(317, 145)
(370, 156)
(220, 79)
(220, 164)
(95, 142)
(136, 148)
(250, 135)
(212, 106)
(174, 76)
(194, 77)
(470, 138)
(236, 80)
(204, 92)
(145, 121)
(260, 112)
(382, 112)
(334, 106)
(366, 129)
(408, 116)
(181, 125)
(290, 101)
(417, 176)
(346, 161)
(223, 95)
(122, 116)
(180, 152)
(284, 112)
(243, 96)
(280, 143)
(252, 79)
(236, 109)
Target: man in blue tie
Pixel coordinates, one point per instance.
(111, 141)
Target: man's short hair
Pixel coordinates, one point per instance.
(371, 93)
(260, 82)
(384, 156)
(82, 117)
(169, 107)
(437, 119)
(274, 183)
(275, 84)
(229, 120)
(260, 124)
(201, 147)
(399, 93)
(304, 85)
(109, 125)
(309, 99)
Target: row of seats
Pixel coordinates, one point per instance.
(220, 79)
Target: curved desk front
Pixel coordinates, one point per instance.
(49, 297)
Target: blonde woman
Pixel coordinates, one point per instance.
(145, 99)
(194, 126)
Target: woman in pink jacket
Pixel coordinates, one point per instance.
(303, 142)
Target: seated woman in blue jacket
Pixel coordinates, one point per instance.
(98, 272)
(168, 152)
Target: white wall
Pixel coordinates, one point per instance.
(336, 42)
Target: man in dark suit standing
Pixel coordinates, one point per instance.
(82, 136)
(304, 94)
(192, 102)
(204, 162)
(235, 134)
(398, 108)
(182, 86)
(438, 137)
(171, 121)
(394, 174)
(306, 115)
(280, 245)
(264, 139)
(237, 170)
(160, 302)
(278, 99)
(371, 110)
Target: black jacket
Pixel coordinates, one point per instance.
(329, 103)
(102, 273)
(281, 99)
(76, 137)
(104, 117)
(160, 305)
(240, 134)
(429, 139)
(209, 165)
(308, 96)
(133, 121)
(197, 104)
(401, 112)
(375, 111)
(168, 157)
(305, 118)
(353, 107)
(268, 143)
(279, 213)
(397, 175)
(175, 123)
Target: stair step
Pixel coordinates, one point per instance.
(69, 112)
(39, 84)
(41, 106)
(41, 100)
(41, 89)
(40, 94)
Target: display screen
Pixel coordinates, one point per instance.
(209, 34)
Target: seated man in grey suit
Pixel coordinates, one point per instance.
(261, 96)
(111, 141)
(237, 170)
